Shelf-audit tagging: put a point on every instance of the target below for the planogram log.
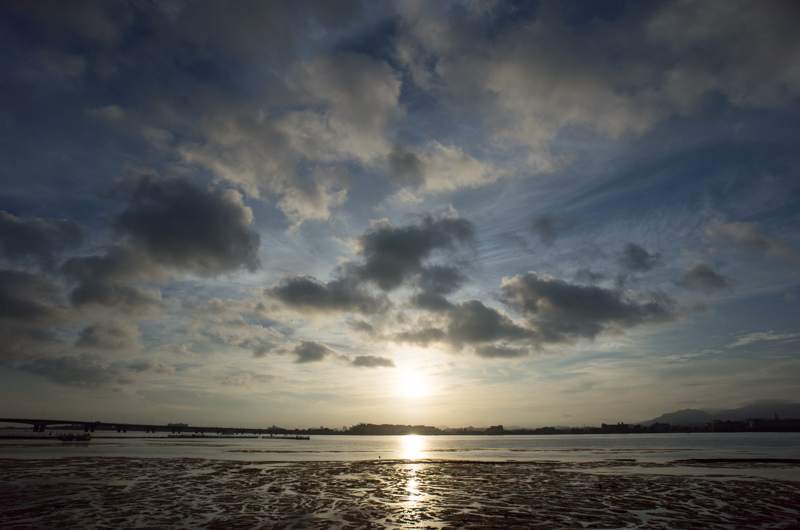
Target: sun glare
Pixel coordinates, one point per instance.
(413, 385)
(413, 446)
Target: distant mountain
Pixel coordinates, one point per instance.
(682, 417)
(763, 410)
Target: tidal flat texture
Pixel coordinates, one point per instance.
(195, 493)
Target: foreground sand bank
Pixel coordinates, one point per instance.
(195, 493)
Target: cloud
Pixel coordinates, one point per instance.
(32, 308)
(39, 238)
(372, 361)
(171, 226)
(352, 97)
(392, 255)
(306, 293)
(421, 337)
(471, 322)
(246, 379)
(562, 312)
(763, 336)
(187, 228)
(309, 351)
(549, 226)
(441, 279)
(334, 109)
(439, 168)
(701, 277)
(500, 352)
(312, 203)
(82, 371)
(230, 323)
(30, 298)
(110, 336)
(151, 366)
(752, 237)
(636, 259)
(531, 76)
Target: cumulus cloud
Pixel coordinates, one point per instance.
(309, 351)
(306, 293)
(439, 168)
(394, 254)
(548, 226)
(751, 236)
(420, 337)
(310, 203)
(41, 239)
(171, 226)
(354, 97)
(32, 307)
(30, 298)
(372, 361)
(636, 259)
(471, 322)
(562, 312)
(189, 228)
(111, 336)
(702, 277)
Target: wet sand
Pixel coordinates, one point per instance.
(196, 493)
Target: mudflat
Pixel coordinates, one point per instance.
(116, 492)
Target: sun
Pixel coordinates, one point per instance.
(413, 384)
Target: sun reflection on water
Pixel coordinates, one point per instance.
(413, 447)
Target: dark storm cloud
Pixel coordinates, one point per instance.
(39, 238)
(190, 228)
(471, 322)
(636, 259)
(303, 292)
(309, 351)
(701, 277)
(549, 226)
(110, 336)
(562, 312)
(372, 361)
(29, 298)
(394, 254)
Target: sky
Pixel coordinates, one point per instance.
(311, 213)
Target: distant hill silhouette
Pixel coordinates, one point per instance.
(765, 410)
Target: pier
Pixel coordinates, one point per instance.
(41, 425)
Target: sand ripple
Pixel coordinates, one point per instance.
(194, 493)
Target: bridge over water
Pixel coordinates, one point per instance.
(41, 425)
